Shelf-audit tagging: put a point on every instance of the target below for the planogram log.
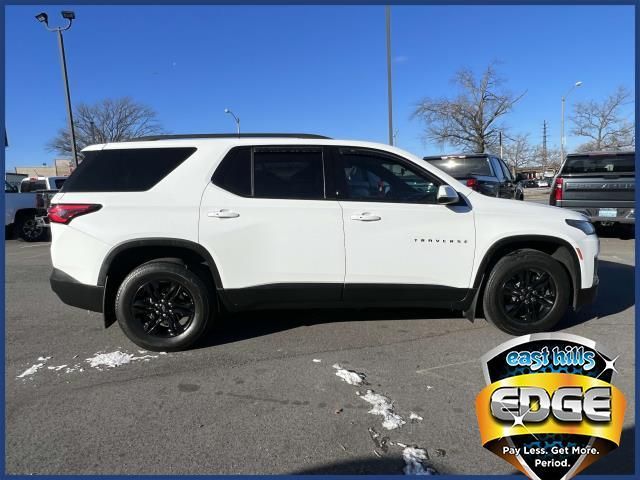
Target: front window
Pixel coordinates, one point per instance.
(374, 177)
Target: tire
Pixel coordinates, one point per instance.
(164, 317)
(515, 308)
(27, 229)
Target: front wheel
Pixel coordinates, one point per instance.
(163, 306)
(527, 292)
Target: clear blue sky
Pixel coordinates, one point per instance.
(319, 69)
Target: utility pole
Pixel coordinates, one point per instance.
(389, 89)
(500, 142)
(544, 144)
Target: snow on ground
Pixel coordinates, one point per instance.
(349, 376)
(384, 407)
(115, 359)
(415, 416)
(316, 360)
(413, 458)
(34, 368)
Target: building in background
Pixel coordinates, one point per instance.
(61, 167)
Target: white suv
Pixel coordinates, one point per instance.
(164, 233)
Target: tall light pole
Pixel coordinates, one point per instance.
(69, 16)
(577, 84)
(237, 119)
(389, 84)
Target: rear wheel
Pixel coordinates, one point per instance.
(163, 306)
(527, 292)
(28, 229)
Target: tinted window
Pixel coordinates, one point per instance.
(288, 173)
(369, 176)
(59, 182)
(234, 172)
(8, 188)
(32, 186)
(505, 170)
(589, 164)
(463, 167)
(124, 170)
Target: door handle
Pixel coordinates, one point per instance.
(365, 217)
(223, 213)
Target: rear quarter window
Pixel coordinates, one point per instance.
(125, 170)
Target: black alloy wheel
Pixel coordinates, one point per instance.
(528, 296)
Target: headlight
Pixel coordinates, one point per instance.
(585, 225)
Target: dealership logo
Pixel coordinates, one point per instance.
(549, 407)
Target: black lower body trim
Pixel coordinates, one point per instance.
(586, 296)
(76, 294)
(300, 295)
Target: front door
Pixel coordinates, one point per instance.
(401, 246)
(270, 228)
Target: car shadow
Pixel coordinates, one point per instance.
(235, 327)
(616, 293)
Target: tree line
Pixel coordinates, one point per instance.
(473, 119)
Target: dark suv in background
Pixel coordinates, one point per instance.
(482, 172)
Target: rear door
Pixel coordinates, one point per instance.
(505, 179)
(275, 234)
(401, 246)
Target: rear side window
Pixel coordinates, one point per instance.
(59, 182)
(593, 164)
(234, 172)
(461, 168)
(124, 170)
(288, 173)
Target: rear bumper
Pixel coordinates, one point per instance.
(76, 294)
(623, 213)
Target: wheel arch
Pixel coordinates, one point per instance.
(558, 248)
(128, 255)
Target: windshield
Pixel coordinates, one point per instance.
(592, 164)
(463, 167)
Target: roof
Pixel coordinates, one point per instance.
(602, 153)
(228, 135)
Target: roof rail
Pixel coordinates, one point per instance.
(228, 135)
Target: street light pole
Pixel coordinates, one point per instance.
(389, 84)
(69, 16)
(237, 119)
(577, 84)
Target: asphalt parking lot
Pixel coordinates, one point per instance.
(262, 395)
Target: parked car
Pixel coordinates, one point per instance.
(195, 225)
(481, 172)
(543, 182)
(33, 184)
(19, 214)
(25, 209)
(600, 185)
(530, 183)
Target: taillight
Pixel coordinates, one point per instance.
(557, 187)
(472, 183)
(65, 212)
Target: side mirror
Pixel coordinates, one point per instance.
(447, 195)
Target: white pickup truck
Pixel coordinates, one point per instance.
(22, 207)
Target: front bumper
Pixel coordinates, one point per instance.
(76, 294)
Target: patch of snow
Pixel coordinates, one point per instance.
(382, 406)
(110, 360)
(349, 376)
(414, 459)
(115, 359)
(31, 370)
(415, 416)
(316, 360)
(57, 368)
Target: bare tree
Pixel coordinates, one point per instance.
(472, 120)
(518, 152)
(604, 123)
(110, 120)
